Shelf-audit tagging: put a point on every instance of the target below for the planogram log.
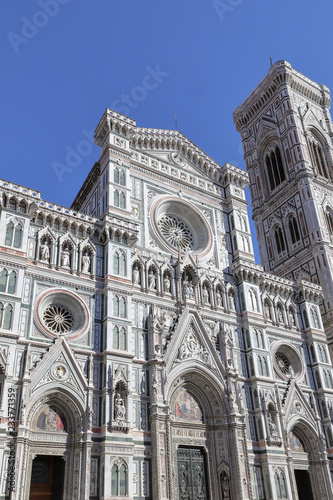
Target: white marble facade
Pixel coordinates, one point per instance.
(144, 354)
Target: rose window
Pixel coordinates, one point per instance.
(176, 232)
(58, 318)
(282, 362)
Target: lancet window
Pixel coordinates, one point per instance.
(274, 167)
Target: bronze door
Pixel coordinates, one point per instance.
(192, 474)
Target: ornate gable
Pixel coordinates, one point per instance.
(59, 368)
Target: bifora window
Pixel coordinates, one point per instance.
(274, 167)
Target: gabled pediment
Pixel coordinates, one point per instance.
(58, 368)
(310, 119)
(297, 407)
(176, 161)
(191, 342)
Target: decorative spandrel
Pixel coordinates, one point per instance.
(187, 409)
(51, 419)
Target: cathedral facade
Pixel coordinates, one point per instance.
(144, 354)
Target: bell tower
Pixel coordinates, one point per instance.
(287, 137)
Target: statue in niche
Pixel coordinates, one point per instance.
(85, 263)
(218, 298)
(65, 257)
(271, 425)
(45, 252)
(186, 289)
(232, 302)
(151, 280)
(279, 314)
(120, 410)
(291, 318)
(267, 311)
(225, 486)
(167, 284)
(191, 290)
(205, 295)
(136, 276)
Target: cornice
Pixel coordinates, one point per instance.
(280, 74)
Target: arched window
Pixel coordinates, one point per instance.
(264, 367)
(11, 282)
(318, 158)
(1, 313)
(314, 318)
(116, 263)
(115, 337)
(122, 339)
(39, 220)
(116, 175)
(122, 308)
(17, 236)
(279, 240)
(329, 220)
(119, 338)
(22, 207)
(56, 224)
(116, 198)
(260, 368)
(280, 485)
(122, 200)
(9, 233)
(122, 265)
(119, 307)
(274, 168)
(118, 480)
(293, 230)
(80, 232)
(119, 264)
(12, 204)
(7, 317)
(3, 280)
(115, 306)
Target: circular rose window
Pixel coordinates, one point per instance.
(61, 312)
(287, 361)
(179, 226)
(58, 319)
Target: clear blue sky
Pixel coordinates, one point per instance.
(58, 77)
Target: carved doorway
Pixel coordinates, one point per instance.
(303, 483)
(192, 474)
(47, 478)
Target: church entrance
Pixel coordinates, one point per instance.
(192, 474)
(303, 483)
(47, 478)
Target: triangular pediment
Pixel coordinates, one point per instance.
(176, 161)
(59, 367)
(191, 342)
(310, 119)
(297, 407)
